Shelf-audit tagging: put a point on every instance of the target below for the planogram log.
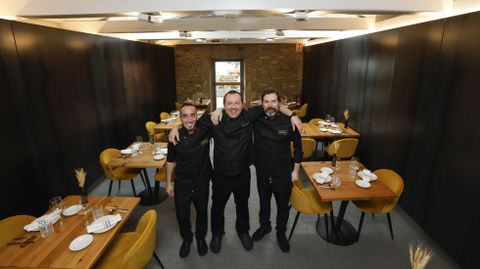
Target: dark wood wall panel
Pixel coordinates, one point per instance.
(412, 93)
(65, 97)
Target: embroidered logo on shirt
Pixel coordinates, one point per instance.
(282, 132)
(204, 141)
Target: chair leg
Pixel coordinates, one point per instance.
(158, 260)
(133, 187)
(119, 184)
(390, 225)
(326, 225)
(110, 188)
(294, 224)
(360, 225)
(373, 215)
(332, 222)
(143, 180)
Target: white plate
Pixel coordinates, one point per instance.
(328, 169)
(363, 184)
(101, 220)
(163, 151)
(72, 210)
(81, 242)
(320, 180)
(158, 157)
(324, 129)
(334, 131)
(371, 177)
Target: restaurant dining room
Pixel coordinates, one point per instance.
(131, 124)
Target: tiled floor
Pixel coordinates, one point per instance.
(374, 250)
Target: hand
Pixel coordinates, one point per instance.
(296, 123)
(295, 175)
(173, 135)
(216, 116)
(169, 189)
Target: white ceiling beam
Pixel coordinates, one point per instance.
(214, 24)
(75, 7)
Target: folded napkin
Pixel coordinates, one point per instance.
(126, 151)
(321, 177)
(52, 217)
(99, 225)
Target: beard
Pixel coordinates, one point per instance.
(271, 112)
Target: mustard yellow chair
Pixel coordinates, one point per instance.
(12, 227)
(309, 146)
(159, 137)
(117, 173)
(307, 201)
(178, 105)
(164, 115)
(315, 121)
(302, 112)
(134, 249)
(394, 182)
(343, 148)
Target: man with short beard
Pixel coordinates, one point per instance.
(274, 165)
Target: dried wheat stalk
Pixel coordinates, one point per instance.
(81, 174)
(419, 256)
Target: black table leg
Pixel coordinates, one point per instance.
(342, 233)
(147, 196)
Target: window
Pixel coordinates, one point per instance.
(228, 76)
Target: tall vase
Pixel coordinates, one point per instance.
(84, 197)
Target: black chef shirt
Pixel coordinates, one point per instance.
(272, 145)
(191, 156)
(233, 141)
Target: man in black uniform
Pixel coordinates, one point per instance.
(190, 161)
(274, 165)
(233, 156)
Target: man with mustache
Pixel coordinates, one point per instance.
(274, 165)
(232, 159)
(188, 159)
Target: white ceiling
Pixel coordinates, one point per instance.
(227, 22)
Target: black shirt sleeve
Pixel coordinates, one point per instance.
(205, 121)
(253, 113)
(171, 153)
(297, 147)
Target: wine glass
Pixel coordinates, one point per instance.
(56, 203)
(327, 118)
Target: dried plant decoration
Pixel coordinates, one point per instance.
(81, 174)
(419, 256)
(346, 114)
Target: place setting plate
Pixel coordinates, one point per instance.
(72, 210)
(363, 184)
(81, 242)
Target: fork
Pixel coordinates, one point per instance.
(107, 223)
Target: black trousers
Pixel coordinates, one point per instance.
(223, 186)
(184, 197)
(280, 187)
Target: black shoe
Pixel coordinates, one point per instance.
(247, 241)
(260, 232)
(185, 248)
(202, 247)
(283, 242)
(216, 243)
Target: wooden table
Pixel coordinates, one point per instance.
(143, 161)
(313, 131)
(167, 126)
(53, 251)
(344, 233)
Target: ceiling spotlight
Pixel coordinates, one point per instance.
(301, 15)
(156, 18)
(269, 39)
(279, 32)
(184, 34)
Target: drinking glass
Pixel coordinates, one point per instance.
(57, 203)
(327, 118)
(139, 139)
(332, 119)
(46, 227)
(97, 212)
(336, 181)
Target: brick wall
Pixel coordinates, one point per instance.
(276, 65)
